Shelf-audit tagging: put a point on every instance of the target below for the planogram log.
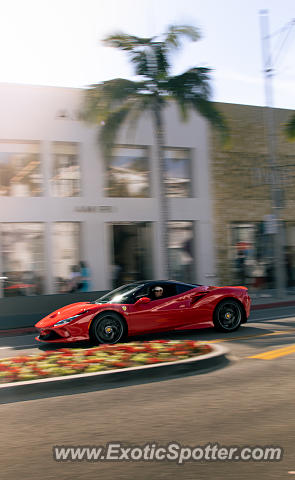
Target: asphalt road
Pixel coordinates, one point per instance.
(249, 402)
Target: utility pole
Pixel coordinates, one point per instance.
(275, 184)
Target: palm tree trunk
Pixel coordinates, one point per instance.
(163, 201)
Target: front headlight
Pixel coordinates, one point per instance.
(67, 320)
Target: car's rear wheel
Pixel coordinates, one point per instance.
(228, 315)
(108, 327)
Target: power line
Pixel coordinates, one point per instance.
(284, 41)
(269, 63)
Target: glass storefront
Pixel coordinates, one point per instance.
(65, 181)
(132, 252)
(66, 250)
(23, 255)
(181, 251)
(252, 254)
(290, 253)
(177, 172)
(128, 173)
(20, 174)
(23, 258)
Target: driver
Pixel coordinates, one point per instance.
(157, 292)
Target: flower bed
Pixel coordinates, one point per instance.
(69, 361)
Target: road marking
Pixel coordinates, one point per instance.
(280, 332)
(271, 354)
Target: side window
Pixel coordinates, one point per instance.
(184, 288)
(142, 292)
(169, 290)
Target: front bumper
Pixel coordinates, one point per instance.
(61, 335)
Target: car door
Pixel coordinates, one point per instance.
(157, 315)
(190, 315)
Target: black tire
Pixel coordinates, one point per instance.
(108, 320)
(228, 315)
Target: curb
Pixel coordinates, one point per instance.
(17, 391)
(13, 332)
(287, 303)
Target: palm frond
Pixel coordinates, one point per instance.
(176, 33)
(129, 111)
(161, 60)
(143, 104)
(191, 90)
(193, 81)
(141, 63)
(101, 98)
(208, 110)
(109, 130)
(183, 108)
(126, 42)
(290, 128)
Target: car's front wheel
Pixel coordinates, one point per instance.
(228, 316)
(108, 327)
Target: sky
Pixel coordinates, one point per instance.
(58, 42)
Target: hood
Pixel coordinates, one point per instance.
(65, 312)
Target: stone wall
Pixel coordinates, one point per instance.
(240, 176)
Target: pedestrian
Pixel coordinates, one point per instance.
(84, 281)
(74, 279)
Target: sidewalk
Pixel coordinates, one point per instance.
(267, 299)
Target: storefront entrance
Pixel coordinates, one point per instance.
(131, 252)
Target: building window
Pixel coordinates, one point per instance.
(181, 251)
(66, 254)
(128, 173)
(23, 258)
(65, 181)
(20, 174)
(178, 172)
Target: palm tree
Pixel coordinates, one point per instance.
(113, 102)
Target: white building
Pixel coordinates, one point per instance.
(60, 203)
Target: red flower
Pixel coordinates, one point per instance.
(88, 352)
(3, 368)
(78, 366)
(14, 369)
(130, 349)
(153, 360)
(21, 359)
(120, 364)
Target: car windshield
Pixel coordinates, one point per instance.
(120, 295)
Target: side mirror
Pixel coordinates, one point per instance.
(142, 301)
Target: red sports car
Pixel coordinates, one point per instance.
(147, 307)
